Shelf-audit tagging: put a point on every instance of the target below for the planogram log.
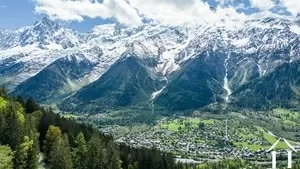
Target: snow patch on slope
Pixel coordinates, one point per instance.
(240, 42)
(169, 45)
(295, 29)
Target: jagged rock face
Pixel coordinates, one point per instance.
(203, 64)
(43, 34)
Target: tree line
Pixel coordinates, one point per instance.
(31, 135)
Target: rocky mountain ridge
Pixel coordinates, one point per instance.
(202, 64)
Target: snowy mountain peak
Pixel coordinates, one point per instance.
(167, 47)
(46, 23)
(139, 50)
(103, 29)
(4, 32)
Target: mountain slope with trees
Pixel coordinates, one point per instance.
(277, 89)
(28, 130)
(57, 79)
(128, 82)
(197, 84)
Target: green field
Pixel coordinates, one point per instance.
(286, 112)
(196, 120)
(251, 147)
(173, 126)
(185, 123)
(70, 116)
(200, 141)
(271, 139)
(256, 134)
(287, 116)
(246, 133)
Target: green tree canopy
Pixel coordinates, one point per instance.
(60, 154)
(80, 152)
(6, 157)
(53, 134)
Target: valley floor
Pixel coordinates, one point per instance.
(204, 137)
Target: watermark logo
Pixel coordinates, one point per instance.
(274, 153)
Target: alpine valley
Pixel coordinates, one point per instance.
(249, 64)
(203, 93)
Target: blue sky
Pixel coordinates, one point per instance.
(15, 14)
(18, 13)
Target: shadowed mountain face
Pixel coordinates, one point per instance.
(280, 88)
(127, 82)
(57, 79)
(197, 84)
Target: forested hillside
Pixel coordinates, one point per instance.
(277, 89)
(31, 136)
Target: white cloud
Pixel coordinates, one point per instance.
(70, 10)
(241, 6)
(173, 11)
(224, 2)
(184, 11)
(126, 11)
(293, 6)
(262, 4)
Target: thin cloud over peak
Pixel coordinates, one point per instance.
(292, 6)
(263, 4)
(129, 12)
(69, 10)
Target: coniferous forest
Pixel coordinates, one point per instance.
(31, 136)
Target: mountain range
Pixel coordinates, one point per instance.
(251, 64)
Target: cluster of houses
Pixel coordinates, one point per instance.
(196, 145)
(185, 145)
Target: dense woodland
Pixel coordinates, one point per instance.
(29, 133)
(31, 137)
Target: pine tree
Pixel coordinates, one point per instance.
(112, 156)
(13, 133)
(136, 165)
(3, 93)
(25, 156)
(6, 157)
(33, 160)
(24, 132)
(20, 100)
(60, 154)
(53, 134)
(96, 153)
(31, 106)
(130, 166)
(80, 152)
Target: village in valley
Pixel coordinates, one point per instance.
(203, 141)
(205, 137)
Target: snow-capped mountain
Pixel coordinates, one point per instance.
(31, 49)
(44, 34)
(239, 51)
